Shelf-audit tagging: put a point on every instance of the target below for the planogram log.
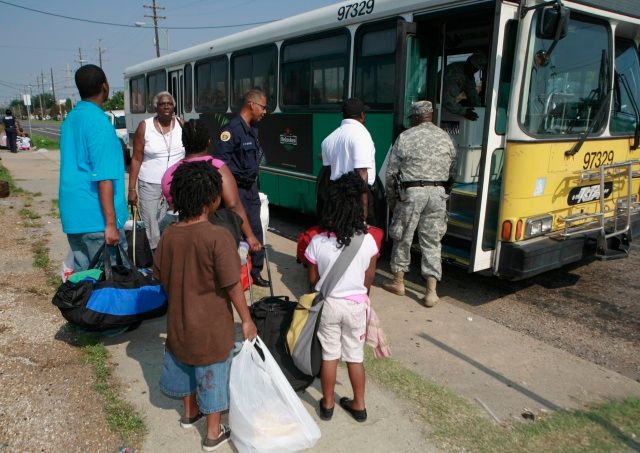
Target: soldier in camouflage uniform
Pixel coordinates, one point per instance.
(423, 158)
(459, 78)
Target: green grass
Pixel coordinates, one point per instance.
(40, 255)
(6, 176)
(54, 211)
(29, 214)
(455, 424)
(44, 142)
(122, 417)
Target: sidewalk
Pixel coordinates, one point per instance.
(473, 356)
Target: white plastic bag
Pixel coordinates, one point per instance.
(68, 266)
(264, 215)
(265, 414)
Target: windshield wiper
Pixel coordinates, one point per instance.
(602, 79)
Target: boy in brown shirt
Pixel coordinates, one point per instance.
(199, 268)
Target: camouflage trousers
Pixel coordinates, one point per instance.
(425, 210)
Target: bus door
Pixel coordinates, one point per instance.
(500, 69)
(175, 88)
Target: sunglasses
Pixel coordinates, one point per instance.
(264, 107)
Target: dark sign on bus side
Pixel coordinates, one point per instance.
(586, 194)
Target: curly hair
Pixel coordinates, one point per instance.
(195, 185)
(195, 136)
(343, 214)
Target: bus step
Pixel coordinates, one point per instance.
(462, 204)
(455, 255)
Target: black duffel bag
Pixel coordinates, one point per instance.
(272, 317)
(123, 296)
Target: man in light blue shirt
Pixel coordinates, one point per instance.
(93, 206)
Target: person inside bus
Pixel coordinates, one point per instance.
(239, 148)
(459, 79)
(196, 139)
(157, 145)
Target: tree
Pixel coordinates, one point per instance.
(116, 102)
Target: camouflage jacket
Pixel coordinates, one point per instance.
(456, 82)
(424, 152)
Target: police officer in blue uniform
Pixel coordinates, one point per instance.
(239, 148)
(11, 126)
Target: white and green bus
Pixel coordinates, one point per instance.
(547, 175)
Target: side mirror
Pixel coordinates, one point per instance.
(553, 22)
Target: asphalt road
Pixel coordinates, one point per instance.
(49, 129)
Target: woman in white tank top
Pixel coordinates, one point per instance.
(157, 145)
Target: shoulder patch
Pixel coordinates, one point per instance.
(225, 136)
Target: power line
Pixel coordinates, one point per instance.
(113, 24)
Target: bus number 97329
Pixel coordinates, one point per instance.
(356, 9)
(595, 159)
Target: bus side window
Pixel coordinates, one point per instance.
(156, 82)
(211, 85)
(254, 68)
(314, 71)
(137, 100)
(375, 62)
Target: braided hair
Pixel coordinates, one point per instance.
(195, 185)
(343, 214)
(195, 136)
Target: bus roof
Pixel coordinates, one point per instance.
(626, 7)
(326, 18)
(305, 23)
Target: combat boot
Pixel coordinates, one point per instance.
(430, 296)
(395, 286)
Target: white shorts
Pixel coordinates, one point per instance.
(342, 330)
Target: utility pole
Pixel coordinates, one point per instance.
(42, 95)
(68, 85)
(100, 51)
(80, 60)
(155, 18)
(56, 106)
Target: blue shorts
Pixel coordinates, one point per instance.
(210, 383)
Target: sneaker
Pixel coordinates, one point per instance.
(213, 444)
(188, 423)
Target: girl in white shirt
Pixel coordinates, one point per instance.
(342, 328)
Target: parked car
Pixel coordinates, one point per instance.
(118, 120)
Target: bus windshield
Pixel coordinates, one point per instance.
(564, 91)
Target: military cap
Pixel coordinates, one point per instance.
(478, 59)
(421, 108)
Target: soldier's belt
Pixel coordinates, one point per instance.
(422, 183)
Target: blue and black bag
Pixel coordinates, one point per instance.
(122, 297)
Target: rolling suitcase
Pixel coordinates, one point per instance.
(272, 316)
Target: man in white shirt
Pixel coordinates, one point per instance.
(350, 148)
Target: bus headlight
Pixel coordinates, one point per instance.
(536, 226)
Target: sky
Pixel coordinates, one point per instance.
(33, 43)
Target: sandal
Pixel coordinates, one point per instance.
(325, 413)
(358, 415)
